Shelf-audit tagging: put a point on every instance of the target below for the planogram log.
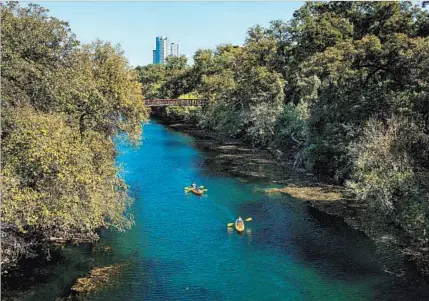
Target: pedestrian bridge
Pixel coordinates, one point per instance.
(173, 102)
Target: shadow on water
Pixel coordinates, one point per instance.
(44, 280)
(173, 145)
(333, 248)
(150, 279)
(333, 245)
(297, 234)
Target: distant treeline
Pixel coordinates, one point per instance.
(62, 103)
(343, 87)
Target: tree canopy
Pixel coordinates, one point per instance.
(62, 105)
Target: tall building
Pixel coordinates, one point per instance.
(164, 49)
(161, 50)
(174, 49)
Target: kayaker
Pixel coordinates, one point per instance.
(239, 221)
(193, 185)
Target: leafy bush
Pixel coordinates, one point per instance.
(186, 113)
(387, 175)
(291, 128)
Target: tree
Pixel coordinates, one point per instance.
(103, 93)
(388, 175)
(62, 106)
(176, 62)
(166, 80)
(152, 78)
(35, 47)
(372, 79)
(58, 183)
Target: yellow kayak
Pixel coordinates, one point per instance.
(197, 192)
(239, 228)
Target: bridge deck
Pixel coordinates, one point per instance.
(173, 102)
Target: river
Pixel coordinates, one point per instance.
(181, 249)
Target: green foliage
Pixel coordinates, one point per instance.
(372, 79)
(176, 62)
(62, 104)
(35, 47)
(187, 114)
(192, 95)
(103, 94)
(57, 182)
(244, 99)
(292, 125)
(152, 78)
(165, 81)
(343, 86)
(388, 175)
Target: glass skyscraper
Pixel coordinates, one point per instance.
(161, 50)
(164, 49)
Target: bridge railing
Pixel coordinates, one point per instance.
(173, 102)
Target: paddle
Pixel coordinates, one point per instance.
(201, 188)
(249, 219)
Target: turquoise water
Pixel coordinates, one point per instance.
(181, 249)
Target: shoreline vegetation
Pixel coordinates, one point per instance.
(63, 103)
(339, 93)
(98, 278)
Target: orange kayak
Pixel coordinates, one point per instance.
(197, 192)
(239, 228)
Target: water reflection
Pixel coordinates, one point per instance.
(247, 233)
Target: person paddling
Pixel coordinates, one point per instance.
(239, 221)
(193, 185)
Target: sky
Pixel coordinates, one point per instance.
(195, 25)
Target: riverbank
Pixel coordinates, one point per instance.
(299, 252)
(232, 156)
